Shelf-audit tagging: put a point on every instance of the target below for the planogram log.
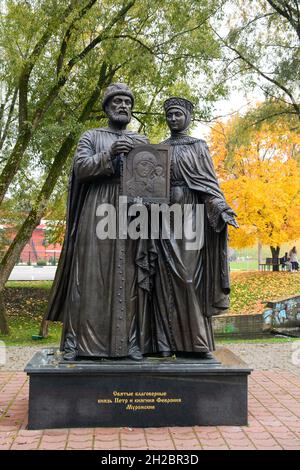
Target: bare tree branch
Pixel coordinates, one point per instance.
(290, 13)
(261, 73)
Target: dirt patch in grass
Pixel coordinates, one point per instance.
(27, 301)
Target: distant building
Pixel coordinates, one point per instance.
(36, 249)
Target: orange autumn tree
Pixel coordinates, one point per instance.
(259, 171)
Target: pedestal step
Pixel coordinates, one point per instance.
(180, 391)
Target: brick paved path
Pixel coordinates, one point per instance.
(274, 422)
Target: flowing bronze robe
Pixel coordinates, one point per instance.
(114, 296)
(191, 286)
(88, 292)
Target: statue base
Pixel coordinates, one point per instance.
(176, 391)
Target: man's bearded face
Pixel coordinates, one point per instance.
(118, 109)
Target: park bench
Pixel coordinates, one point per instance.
(268, 265)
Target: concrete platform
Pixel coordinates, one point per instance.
(155, 392)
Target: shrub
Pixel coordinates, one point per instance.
(41, 262)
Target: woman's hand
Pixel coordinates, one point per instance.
(229, 217)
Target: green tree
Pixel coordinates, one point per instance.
(261, 42)
(58, 58)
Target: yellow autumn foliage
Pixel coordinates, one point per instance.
(259, 172)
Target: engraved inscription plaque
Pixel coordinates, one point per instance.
(146, 174)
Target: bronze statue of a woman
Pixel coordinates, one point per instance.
(190, 286)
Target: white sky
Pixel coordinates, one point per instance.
(238, 101)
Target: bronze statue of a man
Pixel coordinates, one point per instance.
(88, 293)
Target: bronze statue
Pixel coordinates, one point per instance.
(144, 164)
(122, 297)
(88, 292)
(146, 174)
(190, 286)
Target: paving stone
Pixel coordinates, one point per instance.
(132, 437)
(51, 446)
(56, 432)
(81, 431)
(107, 432)
(99, 445)
(216, 447)
(134, 446)
(187, 445)
(162, 446)
(156, 431)
(274, 412)
(158, 438)
(53, 439)
(78, 438)
(108, 439)
(77, 445)
(241, 447)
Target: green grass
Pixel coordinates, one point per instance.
(30, 284)
(250, 265)
(22, 328)
(26, 302)
(256, 341)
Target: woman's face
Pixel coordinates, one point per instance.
(176, 119)
(144, 168)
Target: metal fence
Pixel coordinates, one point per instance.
(39, 257)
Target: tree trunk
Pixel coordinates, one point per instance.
(259, 253)
(275, 257)
(13, 163)
(44, 328)
(34, 216)
(39, 207)
(4, 328)
(27, 130)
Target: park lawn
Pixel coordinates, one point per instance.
(26, 302)
(251, 290)
(23, 328)
(248, 265)
(270, 339)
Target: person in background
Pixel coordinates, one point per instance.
(294, 259)
(285, 261)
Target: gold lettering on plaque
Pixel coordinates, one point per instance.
(141, 400)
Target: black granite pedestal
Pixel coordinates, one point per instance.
(181, 391)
